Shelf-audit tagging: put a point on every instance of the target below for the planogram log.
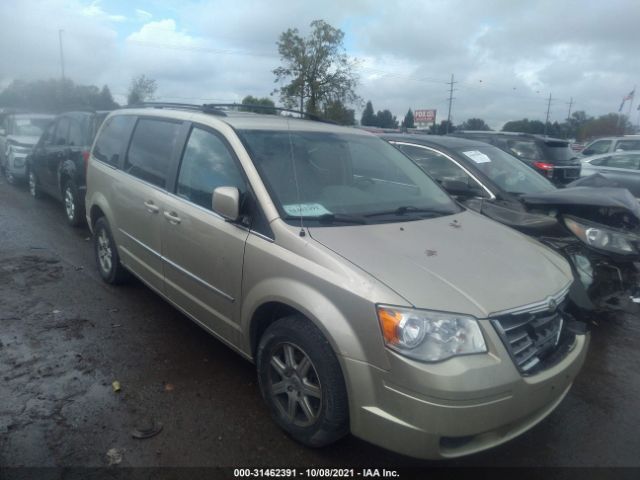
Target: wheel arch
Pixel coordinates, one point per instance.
(261, 309)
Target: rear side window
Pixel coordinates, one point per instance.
(624, 161)
(114, 135)
(151, 149)
(524, 149)
(601, 146)
(206, 165)
(61, 132)
(77, 132)
(599, 161)
(628, 145)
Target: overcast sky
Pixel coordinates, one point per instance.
(507, 56)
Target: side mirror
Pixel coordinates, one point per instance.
(3, 132)
(226, 202)
(458, 187)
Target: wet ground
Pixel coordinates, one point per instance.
(65, 337)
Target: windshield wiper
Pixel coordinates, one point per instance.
(410, 209)
(331, 218)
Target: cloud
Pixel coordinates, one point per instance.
(95, 10)
(143, 15)
(507, 57)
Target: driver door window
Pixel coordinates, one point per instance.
(206, 165)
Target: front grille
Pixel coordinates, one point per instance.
(535, 340)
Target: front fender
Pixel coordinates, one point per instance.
(316, 307)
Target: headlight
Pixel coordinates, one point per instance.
(603, 238)
(429, 336)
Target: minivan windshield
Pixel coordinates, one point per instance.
(506, 171)
(343, 178)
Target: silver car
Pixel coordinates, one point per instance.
(19, 134)
(623, 168)
(604, 145)
(368, 299)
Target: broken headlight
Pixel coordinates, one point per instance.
(603, 238)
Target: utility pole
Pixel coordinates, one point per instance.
(451, 99)
(546, 123)
(61, 52)
(570, 105)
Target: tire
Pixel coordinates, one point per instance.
(73, 203)
(11, 179)
(106, 254)
(32, 181)
(309, 401)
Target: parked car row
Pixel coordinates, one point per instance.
(553, 158)
(596, 229)
(374, 298)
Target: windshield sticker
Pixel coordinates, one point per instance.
(21, 122)
(305, 209)
(477, 156)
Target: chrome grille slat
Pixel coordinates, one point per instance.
(531, 336)
(519, 350)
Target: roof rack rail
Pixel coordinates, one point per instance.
(218, 109)
(180, 106)
(250, 107)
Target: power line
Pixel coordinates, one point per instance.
(451, 84)
(61, 52)
(570, 105)
(548, 111)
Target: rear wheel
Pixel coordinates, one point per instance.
(34, 188)
(73, 203)
(302, 383)
(106, 253)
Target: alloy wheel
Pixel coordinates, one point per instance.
(32, 184)
(294, 385)
(105, 256)
(69, 203)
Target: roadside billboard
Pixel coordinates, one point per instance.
(424, 116)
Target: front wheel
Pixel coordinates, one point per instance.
(11, 179)
(73, 204)
(302, 383)
(106, 253)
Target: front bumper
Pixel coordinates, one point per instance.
(17, 164)
(461, 406)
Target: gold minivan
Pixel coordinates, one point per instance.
(368, 299)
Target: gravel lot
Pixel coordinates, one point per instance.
(65, 337)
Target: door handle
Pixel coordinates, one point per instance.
(172, 217)
(151, 207)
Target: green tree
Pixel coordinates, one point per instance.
(261, 102)
(386, 120)
(524, 126)
(105, 100)
(142, 89)
(368, 116)
(442, 128)
(55, 95)
(474, 124)
(316, 69)
(408, 121)
(604, 125)
(336, 111)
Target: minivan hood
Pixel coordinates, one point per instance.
(26, 140)
(463, 263)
